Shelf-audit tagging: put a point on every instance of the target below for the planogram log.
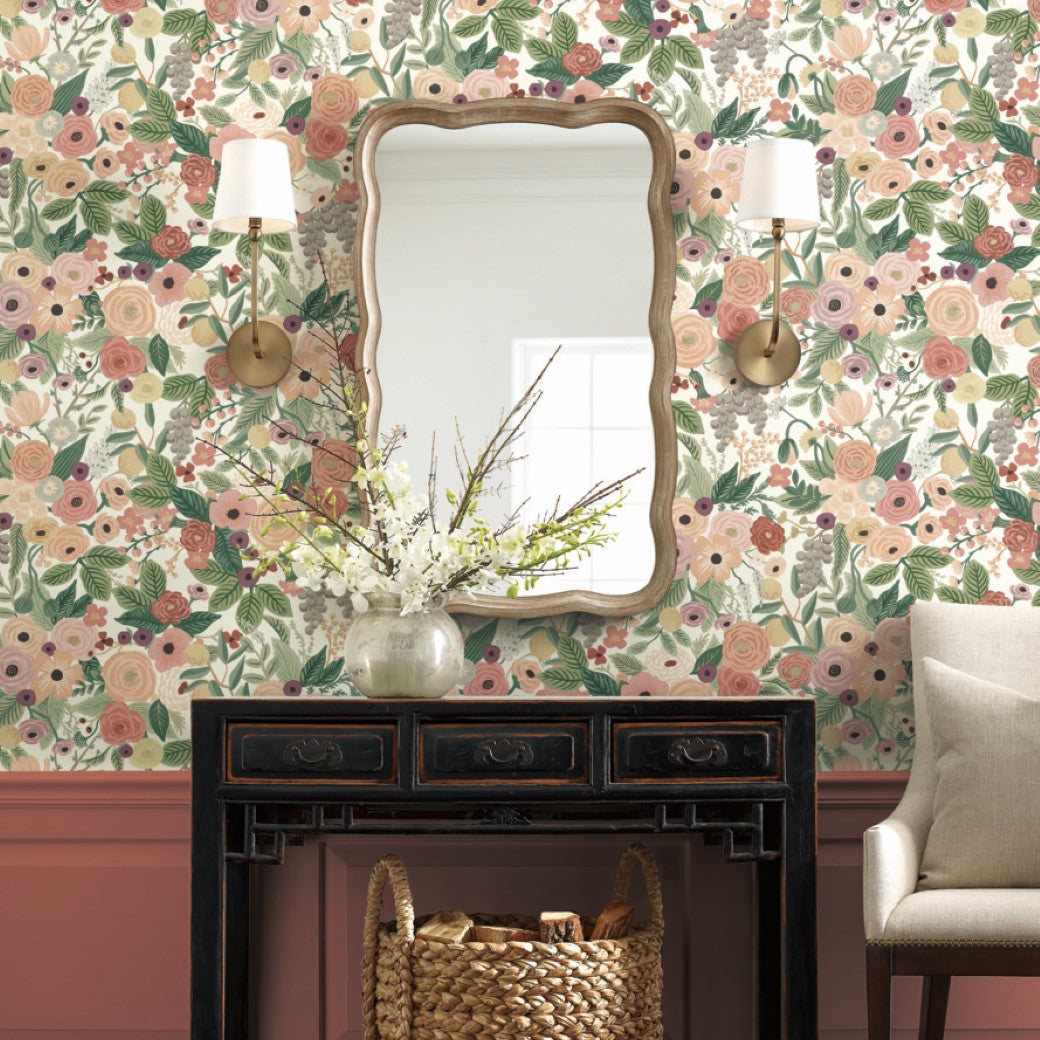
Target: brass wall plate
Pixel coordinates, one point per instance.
(750, 355)
(275, 354)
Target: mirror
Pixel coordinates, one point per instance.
(491, 234)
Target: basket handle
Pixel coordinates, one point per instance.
(642, 855)
(390, 868)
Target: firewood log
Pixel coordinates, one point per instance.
(557, 926)
(488, 933)
(446, 926)
(612, 922)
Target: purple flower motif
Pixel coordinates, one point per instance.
(535, 90)
(125, 751)
(704, 140)
(125, 637)
(62, 382)
(240, 540)
(855, 6)
(855, 366)
(32, 6)
(609, 44)
(825, 521)
(293, 688)
(142, 272)
(461, 99)
(49, 649)
(554, 88)
(904, 471)
(904, 106)
(885, 748)
(313, 74)
(6, 521)
(725, 256)
(707, 307)
(1020, 226)
(64, 748)
(704, 506)
(198, 226)
(27, 332)
(81, 106)
(295, 126)
(247, 577)
(124, 271)
(32, 365)
(887, 381)
(948, 21)
(948, 386)
(49, 283)
(1020, 591)
(313, 439)
(706, 673)
(887, 16)
(26, 698)
(724, 621)
(32, 731)
(849, 697)
(6, 155)
(492, 653)
(293, 323)
(198, 591)
(124, 21)
(871, 648)
(966, 272)
(854, 731)
(125, 385)
(946, 271)
(142, 637)
(694, 247)
(871, 283)
(283, 430)
(80, 471)
(660, 28)
(283, 66)
(826, 156)
(694, 614)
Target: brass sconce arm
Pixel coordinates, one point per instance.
(774, 332)
(255, 224)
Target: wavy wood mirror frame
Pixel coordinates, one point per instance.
(518, 110)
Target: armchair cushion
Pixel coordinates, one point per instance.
(977, 916)
(985, 829)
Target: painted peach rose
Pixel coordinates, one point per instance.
(854, 461)
(796, 304)
(489, 680)
(129, 311)
(121, 725)
(31, 461)
(899, 138)
(952, 311)
(120, 359)
(895, 270)
(734, 319)
(893, 638)
(993, 242)
(943, 359)
(23, 633)
(434, 84)
(73, 636)
(22, 266)
(334, 99)
(333, 463)
(76, 138)
(644, 684)
(129, 676)
(845, 266)
(582, 59)
(694, 340)
(687, 154)
(77, 502)
(74, 272)
(745, 647)
(1021, 538)
(900, 504)
(476, 6)
(890, 544)
(795, 669)
(767, 535)
(734, 526)
(325, 140)
(745, 280)
(845, 632)
(66, 178)
(686, 519)
(737, 684)
(855, 96)
(528, 673)
(31, 95)
(1021, 172)
(483, 84)
(889, 178)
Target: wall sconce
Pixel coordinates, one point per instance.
(254, 196)
(778, 194)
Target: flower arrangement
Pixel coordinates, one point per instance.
(357, 525)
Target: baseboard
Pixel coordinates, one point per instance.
(951, 1034)
(93, 1034)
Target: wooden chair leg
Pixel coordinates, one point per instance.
(934, 994)
(879, 993)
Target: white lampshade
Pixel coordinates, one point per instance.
(779, 182)
(254, 182)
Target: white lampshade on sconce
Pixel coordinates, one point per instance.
(778, 193)
(254, 197)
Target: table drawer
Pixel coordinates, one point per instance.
(549, 753)
(339, 754)
(694, 752)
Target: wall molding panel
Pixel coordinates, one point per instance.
(87, 859)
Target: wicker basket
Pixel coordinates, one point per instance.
(414, 989)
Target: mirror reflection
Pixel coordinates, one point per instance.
(495, 244)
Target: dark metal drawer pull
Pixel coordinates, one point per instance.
(504, 752)
(313, 753)
(697, 752)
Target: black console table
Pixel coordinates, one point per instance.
(740, 772)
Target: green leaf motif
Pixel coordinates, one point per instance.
(190, 138)
(152, 581)
(564, 30)
(155, 131)
(572, 653)
(973, 496)
(975, 581)
(152, 217)
(891, 92)
(982, 354)
(1013, 504)
(918, 580)
(95, 214)
(479, 640)
(661, 65)
(177, 753)
(68, 92)
(159, 719)
(975, 215)
(919, 216)
(250, 613)
(881, 209)
(471, 26)
(1014, 138)
(885, 467)
(983, 105)
(687, 418)
(600, 684)
(562, 678)
(882, 574)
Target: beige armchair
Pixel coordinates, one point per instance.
(953, 931)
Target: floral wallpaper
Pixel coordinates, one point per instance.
(901, 463)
